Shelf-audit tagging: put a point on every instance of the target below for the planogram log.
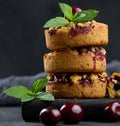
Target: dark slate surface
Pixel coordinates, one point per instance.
(11, 116)
(93, 108)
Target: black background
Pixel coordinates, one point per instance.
(22, 42)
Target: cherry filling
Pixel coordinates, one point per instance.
(103, 79)
(98, 56)
(86, 80)
(65, 78)
(117, 85)
(61, 77)
(80, 30)
(52, 32)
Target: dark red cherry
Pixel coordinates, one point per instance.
(71, 113)
(76, 9)
(112, 110)
(50, 116)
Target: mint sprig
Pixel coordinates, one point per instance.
(85, 15)
(67, 10)
(39, 84)
(82, 16)
(25, 94)
(56, 22)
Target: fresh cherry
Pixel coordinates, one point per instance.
(71, 113)
(76, 9)
(50, 116)
(112, 110)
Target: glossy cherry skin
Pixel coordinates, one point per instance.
(76, 9)
(71, 113)
(50, 116)
(112, 110)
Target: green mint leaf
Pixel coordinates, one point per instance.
(85, 15)
(27, 97)
(26, 94)
(39, 84)
(67, 10)
(56, 22)
(46, 96)
(17, 91)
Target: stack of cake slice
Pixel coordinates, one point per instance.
(76, 67)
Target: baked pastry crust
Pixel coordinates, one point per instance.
(90, 59)
(78, 86)
(74, 35)
(113, 86)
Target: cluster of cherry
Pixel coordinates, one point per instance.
(72, 113)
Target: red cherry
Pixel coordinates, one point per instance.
(112, 110)
(71, 113)
(76, 9)
(50, 116)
